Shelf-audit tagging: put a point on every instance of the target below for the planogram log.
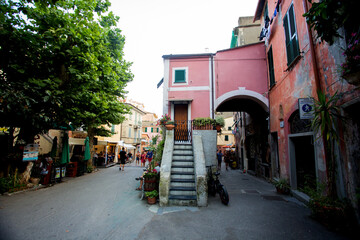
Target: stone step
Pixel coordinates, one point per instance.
(178, 200)
(183, 152)
(181, 163)
(182, 193)
(181, 173)
(183, 176)
(182, 147)
(182, 157)
(183, 169)
(182, 180)
(182, 184)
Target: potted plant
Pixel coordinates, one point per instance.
(151, 196)
(170, 125)
(282, 186)
(203, 123)
(163, 120)
(220, 123)
(333, 213)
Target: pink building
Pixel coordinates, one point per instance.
(197, 85)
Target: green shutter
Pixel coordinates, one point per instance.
(152, 129)
(146, 129)
(180, 76)
(271, 67)
(291, 41)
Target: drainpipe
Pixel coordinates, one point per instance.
(212, 86)
(312, 50)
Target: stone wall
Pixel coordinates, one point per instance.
(209, 138)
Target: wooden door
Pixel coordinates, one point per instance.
(181, 120)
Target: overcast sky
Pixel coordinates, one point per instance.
(154, 28)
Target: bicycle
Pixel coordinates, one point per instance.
(142, 194)
(215, 186)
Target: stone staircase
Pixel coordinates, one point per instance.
(182, 181)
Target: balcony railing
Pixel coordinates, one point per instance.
(183, 130)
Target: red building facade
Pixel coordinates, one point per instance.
(299, 65)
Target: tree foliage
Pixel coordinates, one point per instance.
(61, 62)
(327, 16)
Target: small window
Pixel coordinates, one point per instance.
(113, 129)
(271, 67)
(226, 138)
(146, 129)
(229, 128)
(129, 132)
(180, 75)
(157, 129)
(152, 129)
(291, 39)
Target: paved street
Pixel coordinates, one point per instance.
(105, 205)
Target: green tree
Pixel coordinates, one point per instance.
(62, 61)
(327, 16)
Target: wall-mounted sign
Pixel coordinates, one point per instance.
(31, 152)
(306, 108)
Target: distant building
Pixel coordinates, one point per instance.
(246, 32)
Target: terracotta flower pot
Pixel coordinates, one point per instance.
(218, 128)
(170, 126)
(151, 200)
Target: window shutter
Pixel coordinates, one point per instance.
(291, 40)
(271, 67)
(287, 38)
(180, 76)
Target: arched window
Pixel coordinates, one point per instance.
(298, 125)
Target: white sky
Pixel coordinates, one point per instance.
(154, 28)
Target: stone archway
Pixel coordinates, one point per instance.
(242, 93)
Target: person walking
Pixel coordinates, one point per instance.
(227, 159)
(219, 158)
(138, 158)
(143, 159)
(122, 156)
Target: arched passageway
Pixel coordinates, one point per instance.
(250, 128)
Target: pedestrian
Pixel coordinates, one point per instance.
(219, 158)
(137, 158)
(143, 159)
(227, 159)
(130, 157)
(123, 157)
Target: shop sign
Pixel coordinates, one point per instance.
(31, 152)
(306, 108)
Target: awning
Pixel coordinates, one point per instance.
(81, 141)
(128, 146)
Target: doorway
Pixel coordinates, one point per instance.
(302, 158)
(181, 133)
